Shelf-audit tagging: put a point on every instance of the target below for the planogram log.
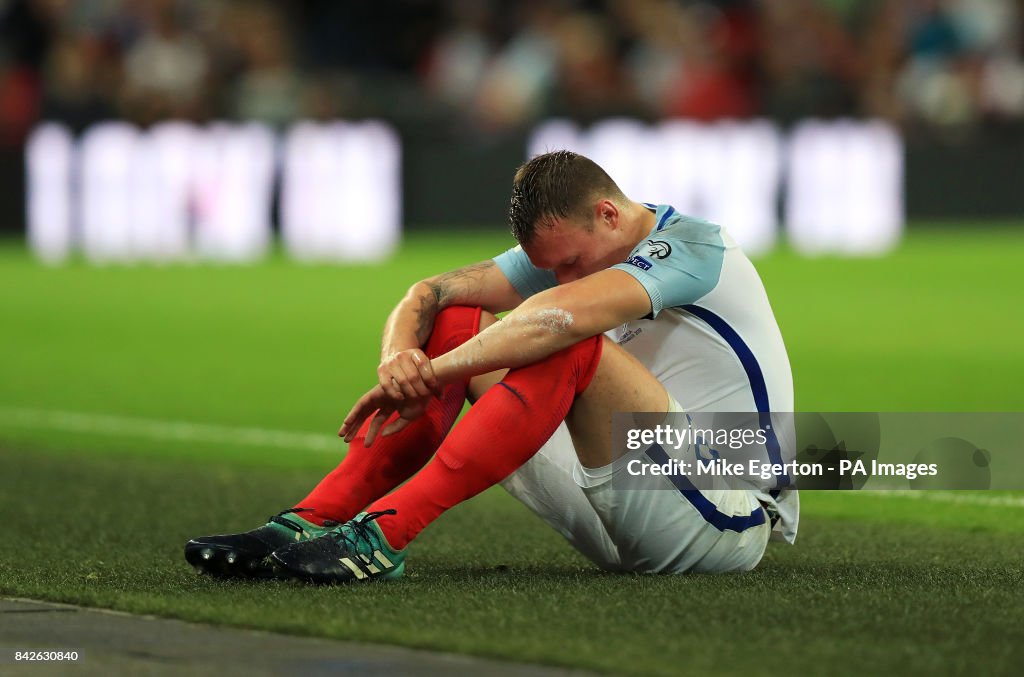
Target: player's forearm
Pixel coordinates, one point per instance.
(411, 321)
(538, 328)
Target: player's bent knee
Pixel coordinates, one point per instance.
(575, 364)
(457, 320)
(453, 326)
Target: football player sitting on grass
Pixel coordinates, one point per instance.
(613, 306)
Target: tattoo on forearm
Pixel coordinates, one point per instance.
(425, 315)
(464, 282)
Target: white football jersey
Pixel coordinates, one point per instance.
(711, 337)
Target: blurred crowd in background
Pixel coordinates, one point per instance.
(497, 65)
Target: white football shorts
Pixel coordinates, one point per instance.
(640, 530)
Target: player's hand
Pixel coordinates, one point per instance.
(381, 406)
(407, 374)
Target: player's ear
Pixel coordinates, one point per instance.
(606, 211)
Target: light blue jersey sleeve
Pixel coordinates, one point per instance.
(526, 278)
(679, 262)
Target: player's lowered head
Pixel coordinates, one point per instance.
(571, 218)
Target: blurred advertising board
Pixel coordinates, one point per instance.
(178, 191)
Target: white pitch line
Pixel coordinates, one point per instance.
(962, 498)
(120, 426)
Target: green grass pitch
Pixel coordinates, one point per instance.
(97, 508)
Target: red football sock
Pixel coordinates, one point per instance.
(501, 432)
(368, 473)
